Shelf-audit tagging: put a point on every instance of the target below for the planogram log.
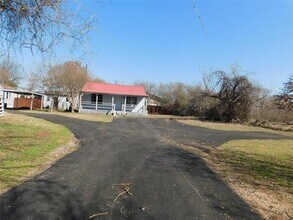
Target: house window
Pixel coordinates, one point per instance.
(100, 99)
(130, 100)
(94, 98)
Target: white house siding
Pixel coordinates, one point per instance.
(90, 107)
(9, 99)
(140, 106)
(63, 103)
(106, 98)
(47, 101)
(106, 106)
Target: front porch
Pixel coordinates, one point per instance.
(112, 104)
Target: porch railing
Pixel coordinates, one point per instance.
(97, 106)
(128, 107)
(106, 106)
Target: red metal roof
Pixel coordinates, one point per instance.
(106, 88)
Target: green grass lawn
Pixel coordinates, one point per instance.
(265, 160)
(25, 146)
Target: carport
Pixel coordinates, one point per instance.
(19, 99)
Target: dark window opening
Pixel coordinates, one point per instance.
(93, 98)
(100, 99)
(130, 100)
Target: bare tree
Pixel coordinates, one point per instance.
(288, 86)
(33, 82)
(150, 87)
(236, 95)
(199, 103)
(39, 25)
(284, 100)
(210, 82)
(97, 79)
(73, 76)
(10, 72)
(51, 85)
(66, 79)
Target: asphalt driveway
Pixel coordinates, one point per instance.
(165, 181)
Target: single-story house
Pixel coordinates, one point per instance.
(113, 99)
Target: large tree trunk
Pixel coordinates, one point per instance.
(71, 101)
(51, 105)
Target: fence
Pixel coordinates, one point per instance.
(25, 103)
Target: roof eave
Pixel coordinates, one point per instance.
(145, 95)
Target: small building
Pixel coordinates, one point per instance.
(63, 103)
(113, 99)
(13, 98)
(155, 105)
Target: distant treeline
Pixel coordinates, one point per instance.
(222, 97)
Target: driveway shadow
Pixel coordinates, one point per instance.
(216, 195)
(41, 199)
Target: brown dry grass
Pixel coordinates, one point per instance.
(270, 200)
(81, 116)
(232, 127)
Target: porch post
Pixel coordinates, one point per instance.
(125, 103)
(16, 101)
(80, 98)
(112, 103)
(42, 100)
(96, 101)
(32, 101)
(146, 105)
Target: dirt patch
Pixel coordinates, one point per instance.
(270, 201)
(43, 134)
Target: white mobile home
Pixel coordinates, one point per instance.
(63, 103)
(8, 95)
(113, 99)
